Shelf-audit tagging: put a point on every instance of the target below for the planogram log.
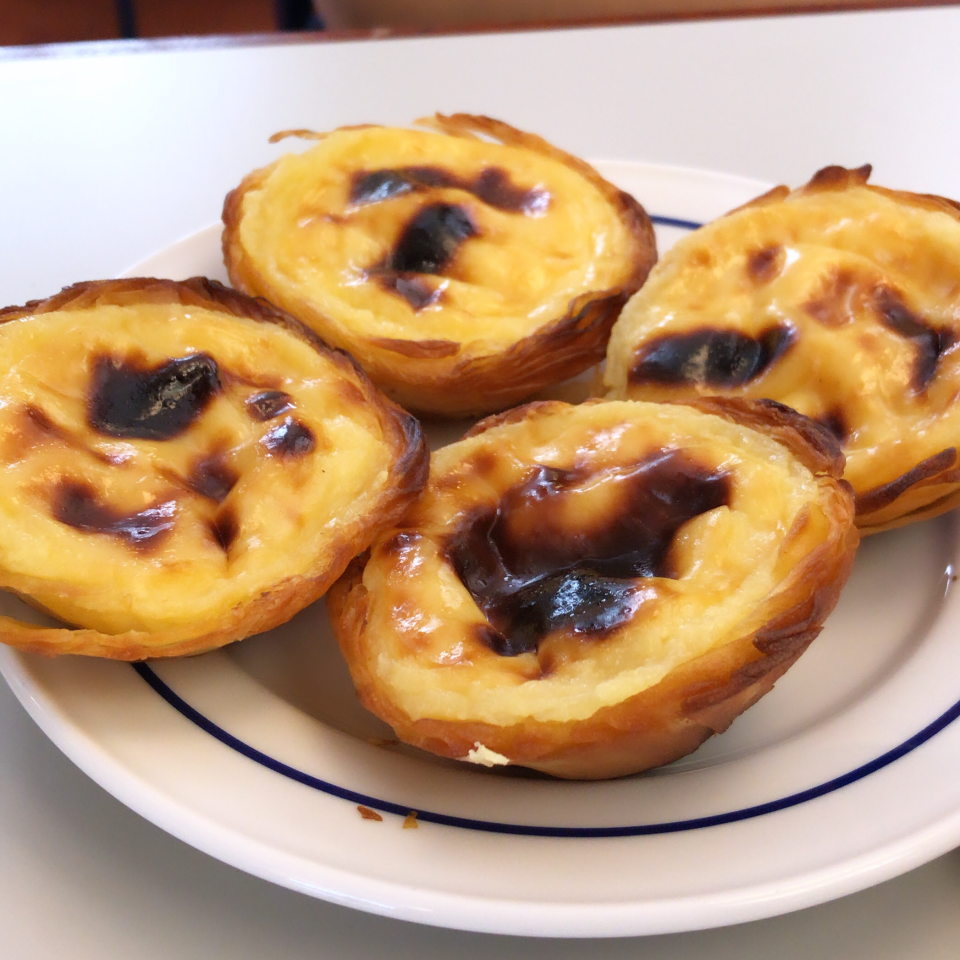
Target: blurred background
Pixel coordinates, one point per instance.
(54, 21)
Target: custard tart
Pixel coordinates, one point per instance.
(182, 466)
(594, 590)
(466, 267)
(840, 299)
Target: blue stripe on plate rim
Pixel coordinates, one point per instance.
(675, 222)
(520, 829)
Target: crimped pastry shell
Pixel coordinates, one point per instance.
(271, 603)
(457, 374)
(872, 296)
(651, 726)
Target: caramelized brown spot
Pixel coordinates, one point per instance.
(558, 651)
(547, 662)
(426, 245)
(487, 636)
(763, 265)
(268, 404)
(132, 400)
(400, 543)
(430, 240)
(225, 528)
(532, 571)
(870, 501)
(378, 185)
(37, 427)
(711, 357)
(838, 300)
(41, 421)
(835, 422)
(481, 464)
(290, 438)
(492, 186)
(213, 477)
(929, 342)
(495, 189)
(78, 505)
(416, 290)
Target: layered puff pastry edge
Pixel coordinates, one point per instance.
(840, 299)
(591, 591)
(466, 267)
(182, 466)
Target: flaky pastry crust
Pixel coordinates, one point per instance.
(841, 299)
(182, 466)
(466, 268)
(591, 591)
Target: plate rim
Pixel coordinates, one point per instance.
(467, 911)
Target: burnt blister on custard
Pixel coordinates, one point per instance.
(491, 186)
(225, 528)
(766, 264)
(213, 476)
(268, 404)
(835, 421)
(839, 298)
(928, 341)
(37, 427)
(532, 574)
(289, 438)
(132, 400)
(711, 357)
(78, 504)
(415, 289)
(430, 240)
(426, 246)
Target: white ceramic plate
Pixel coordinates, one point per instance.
(845, 775)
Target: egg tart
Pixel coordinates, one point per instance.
(466, 267)
(594, 590)
(840, 299)
(182, 466)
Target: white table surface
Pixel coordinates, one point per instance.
(106, 158)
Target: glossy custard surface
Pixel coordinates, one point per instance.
(160, 463)
(413, 235)
(569, 560)
(839, 300)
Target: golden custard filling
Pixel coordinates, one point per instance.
(162, 463)
(408, 234)
(564, 563)
(839, 300)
